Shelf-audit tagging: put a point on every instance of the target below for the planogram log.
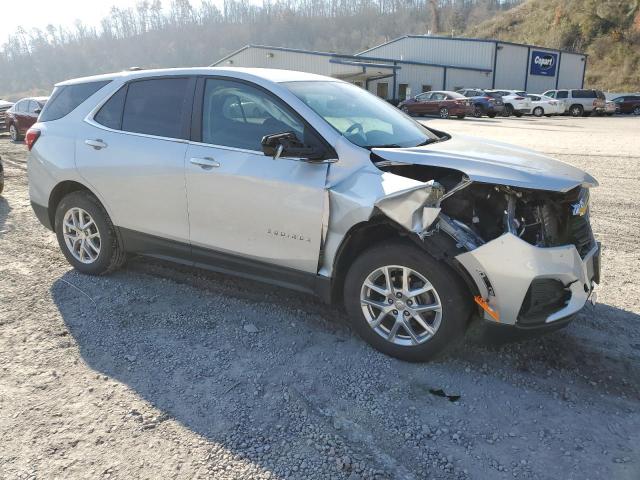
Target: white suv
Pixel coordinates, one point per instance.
(312, 183)
(516, 102)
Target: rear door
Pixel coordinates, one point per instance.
(243, 205)
(133, 154)
(21, 115)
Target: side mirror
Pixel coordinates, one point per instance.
(286, 144)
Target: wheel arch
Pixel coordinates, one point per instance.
(360, 237)
(62, 189)
(367, 234)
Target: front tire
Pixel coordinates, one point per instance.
(86, 235)
(444, 112)
(478, 111)
(14, 133)
(636, 110)
(538, 111)
(405, 303)
(508, 110)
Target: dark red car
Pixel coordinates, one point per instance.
(628, 104)
(22, 115)
(442, 103)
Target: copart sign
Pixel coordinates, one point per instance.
(543, 63)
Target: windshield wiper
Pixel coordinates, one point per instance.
(390, 145)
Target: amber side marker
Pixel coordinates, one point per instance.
(485, 306)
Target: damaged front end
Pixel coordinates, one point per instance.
(530, 253)
(513, 223)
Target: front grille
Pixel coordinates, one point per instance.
(544, 297)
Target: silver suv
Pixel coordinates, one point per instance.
(313, 183)
(579, 102)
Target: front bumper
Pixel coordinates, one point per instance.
(504, 269)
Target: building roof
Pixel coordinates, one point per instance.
(466, 39)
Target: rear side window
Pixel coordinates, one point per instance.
(562, 94)
(156, 107)
(65, 99)
(110, 115)
(583, 93)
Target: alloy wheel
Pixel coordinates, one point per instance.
(538, 111)
(81, 235)
(401, 305)
(444, 112)
(13, 132)
(636, 111)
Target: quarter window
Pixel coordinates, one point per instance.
(110, 115)
(156, 107)
(66, 99)
(238, 115)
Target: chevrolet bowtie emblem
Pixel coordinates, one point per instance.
(580, 208)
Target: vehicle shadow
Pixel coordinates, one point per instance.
(195, 361)
(5, 210)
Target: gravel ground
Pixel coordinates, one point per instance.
(160, 371)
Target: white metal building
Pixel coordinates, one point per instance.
(416, 63)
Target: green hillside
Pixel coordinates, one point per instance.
(607, 30)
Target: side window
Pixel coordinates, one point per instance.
(21, 106)
(110, 115)
(235, 114)
(562, 94)
(33, 106)
(65, 99)
(550, 94)
(156, 107)
(424, 97)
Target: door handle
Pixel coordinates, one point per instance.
(97, 144)
(206, 162)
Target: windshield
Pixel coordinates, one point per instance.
(359, 116)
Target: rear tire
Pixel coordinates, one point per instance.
(93, 234)
(576, 110)
(538, 111)
(478, 111)
(448, 291)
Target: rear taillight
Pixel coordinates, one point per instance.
(30, 138)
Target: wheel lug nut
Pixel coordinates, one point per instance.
(398, 295)
(395, 312)
(406, 314)
(409, 302)
(390, 301)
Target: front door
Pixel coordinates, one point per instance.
(241, 202)
(133, 155)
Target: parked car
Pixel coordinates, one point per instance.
(4, 106)
(628, 104)
(22, 115)
(484, 103)
(443, 103)
(515, 102)
(581, 102)
(542, 105)
(333, 192)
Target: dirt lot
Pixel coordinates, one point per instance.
(164, 372)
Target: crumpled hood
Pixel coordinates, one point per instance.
(493, 162)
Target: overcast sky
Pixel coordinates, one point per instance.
(40, 13)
